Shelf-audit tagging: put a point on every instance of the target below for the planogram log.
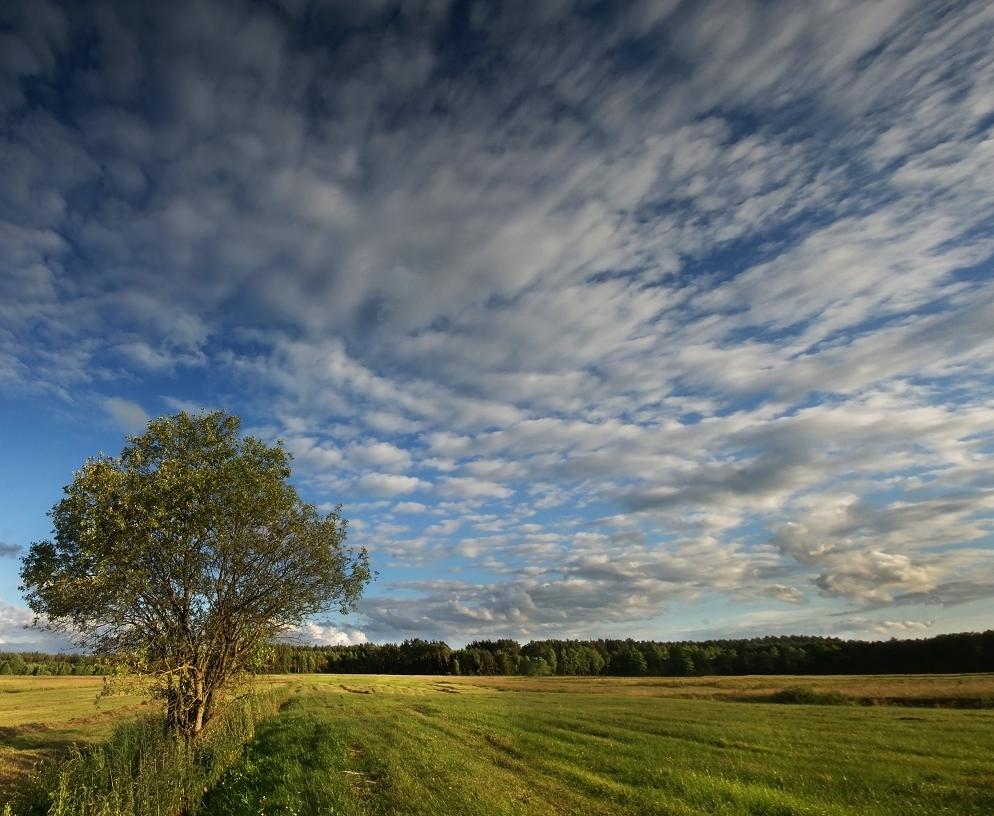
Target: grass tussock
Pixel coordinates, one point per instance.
(145, 770)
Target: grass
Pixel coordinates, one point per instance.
(143, 769)
(938, 690)
(41, 717)
(403, 745)
(359, 744)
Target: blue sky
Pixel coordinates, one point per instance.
(651, 319)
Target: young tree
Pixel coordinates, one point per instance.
(184, 555)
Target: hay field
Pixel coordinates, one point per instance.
(364, 745)
(424, 746)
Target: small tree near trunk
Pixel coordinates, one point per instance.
(185, 555)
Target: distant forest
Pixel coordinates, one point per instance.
(966, 652)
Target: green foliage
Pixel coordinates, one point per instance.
(628, 661)
(25, 663)
(187, 553)
(806, 696)
(533, 666)
(965, 652)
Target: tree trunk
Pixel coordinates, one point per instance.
(199, 707)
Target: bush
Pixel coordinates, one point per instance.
(805, 696)
(146, 770)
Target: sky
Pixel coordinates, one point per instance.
(668, 320)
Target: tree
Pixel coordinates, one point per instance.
(185, 555)
(628, 661)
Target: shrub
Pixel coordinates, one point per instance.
(805, 696)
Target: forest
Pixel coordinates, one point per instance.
(795, 654)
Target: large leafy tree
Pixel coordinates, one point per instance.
(185, 555)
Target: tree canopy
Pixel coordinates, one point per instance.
(185, 555)
(782, 654)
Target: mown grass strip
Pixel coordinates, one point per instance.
(410, 748)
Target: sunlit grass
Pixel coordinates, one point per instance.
(361, 744)
(41, 717)
(968, 690)
(372, 745)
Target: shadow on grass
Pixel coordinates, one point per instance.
(799, 695)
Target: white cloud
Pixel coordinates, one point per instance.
(651, 315)
(410, 507)
(787, 594)
(144, 355)
(443, 528)
(466, 487)
(325, 633)
(378, 455)
(880, 629)
(313, 455)
(130, 416)
(390, 484)
(18, 635)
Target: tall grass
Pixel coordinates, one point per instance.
(144, 770)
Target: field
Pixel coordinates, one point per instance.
(943, 690)
(347, 744)
(41, 717)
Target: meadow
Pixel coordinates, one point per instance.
(363, 744)
(41, 717)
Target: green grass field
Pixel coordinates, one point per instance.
(40, 717)
(346, 744)
(372, 745)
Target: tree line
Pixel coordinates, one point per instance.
(965, 652)
(44, 664)
(794, 654)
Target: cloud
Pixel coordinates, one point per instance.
(389, 484)
(410, 507)
(594, 582)
(468, 487)
(314, 456)
(9, 550)
(443, 528)
(811, 621)
(880, 629)
(707, 325)
(325, 633)
(130, 416)
(787, 594)
(378, 455)
(867, 576)
(18, 635)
